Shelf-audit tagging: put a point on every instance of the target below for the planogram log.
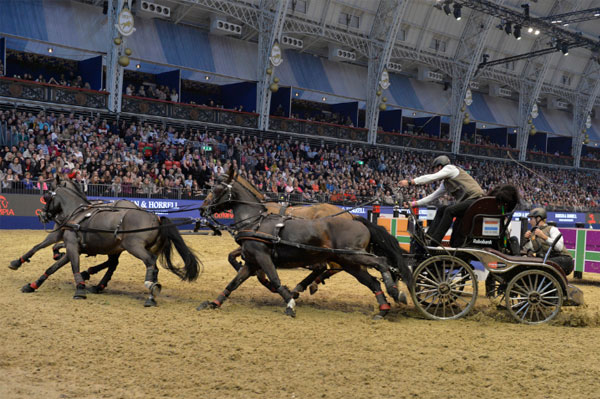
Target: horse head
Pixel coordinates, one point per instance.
(220, 195)
(62, 201)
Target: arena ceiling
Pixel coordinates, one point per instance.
(427, 36)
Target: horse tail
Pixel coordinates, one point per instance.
(169, 236)
(384, 244)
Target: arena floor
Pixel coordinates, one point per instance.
(110, 346)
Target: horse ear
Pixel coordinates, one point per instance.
(230, 174)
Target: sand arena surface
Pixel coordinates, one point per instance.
(110, 346)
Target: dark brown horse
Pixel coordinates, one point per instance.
(93, 231)
(272, 241)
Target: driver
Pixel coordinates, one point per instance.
(456, 182)
(541, 236)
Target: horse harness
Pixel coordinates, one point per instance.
(274, 239)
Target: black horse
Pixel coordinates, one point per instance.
(273, 241)
(95, 230)
(56, 237)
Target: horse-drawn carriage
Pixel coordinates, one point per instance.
(533, 290)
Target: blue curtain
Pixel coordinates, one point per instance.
(468, 130)
(496, 135)
(537, 142)
(3, 55)
(347, 109)
(281, 99)
(170, 79)
(91, 71)
(391, 121)
(512, 140)
(431, 126)
(562, 145)
(237, 94)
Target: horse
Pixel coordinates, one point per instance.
(91, 230)
(320, 271)
(271, 241)
(56, 237)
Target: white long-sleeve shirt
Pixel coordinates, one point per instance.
(447, 172)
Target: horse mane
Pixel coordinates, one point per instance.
(507, 195)
(74, 186)
(250, 187)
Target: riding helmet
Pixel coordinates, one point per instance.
(442, 161)
(538, 212)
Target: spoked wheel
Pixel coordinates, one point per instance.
(445, 287)
(534, 297)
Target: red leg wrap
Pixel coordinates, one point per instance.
(385, 306)
(34, 286)
(379, 293)
(22, 260)
(217, 302)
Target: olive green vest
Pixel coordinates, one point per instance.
(541, 246)
(463, 187)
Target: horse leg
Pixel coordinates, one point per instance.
(111, 264)
(72, 245)
(50, 239)
(137, 249)
(50, 271)
(328, 273)
(238, 265)
(240, 277)
(309, 280)
(352, 265)
(56, 254)
(261, 255)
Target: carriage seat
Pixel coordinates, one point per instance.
(484, 219)
(528, 259)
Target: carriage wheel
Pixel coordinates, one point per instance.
(445, 287)
(534, 297)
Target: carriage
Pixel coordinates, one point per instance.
(532, 289)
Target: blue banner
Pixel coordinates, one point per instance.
(391, 121)
(170, 79)
(281, 102)
(347, 110)
(237, 94)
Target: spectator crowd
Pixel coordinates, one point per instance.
(141, 159)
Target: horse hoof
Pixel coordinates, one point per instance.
(15, 264)
(150, 302)
(295, 294)
(207, 305)
(85, 275)
(155, 289)
(290, 312)
(378, 317)
(402, 298)
(313, 288)
(27, 289)
(80, 295)
(95, 289)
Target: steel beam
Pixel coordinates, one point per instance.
(269, 30)
(114, 72)
(466, 58)
(588, 90)
(384, 30)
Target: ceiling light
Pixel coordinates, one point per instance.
(138, 66)
(457, 12)
(447, 9)
(297, 94)
(50, 50)
(530, 29)
(537, 32)
(324, 99)
(597, 14)
(508, 27)
(517, 32)
(206, 77)
(566, 24)
(564, 47)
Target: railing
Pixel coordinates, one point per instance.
(28, 90)
(488, 151)
(552, 159)
(413, 141)
(200, 113)
(313, 128)
(590, 163)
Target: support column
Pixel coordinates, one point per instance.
(270, 26)
(383, 37)
(587, 92)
